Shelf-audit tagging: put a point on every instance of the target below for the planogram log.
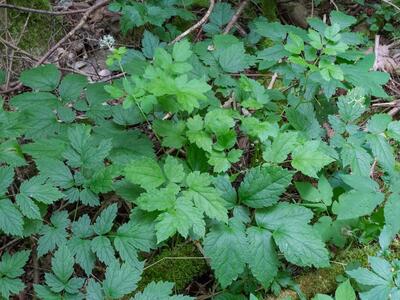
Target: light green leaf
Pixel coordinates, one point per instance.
(181, 51)
(382, 151)
(206, 198)
(301, 245)
(146, 172)
(345, 291)
(310, 159)
(180, 219)
(281, 146)
(173, 169)
(158, 199)
(378, 123)
(295, 44)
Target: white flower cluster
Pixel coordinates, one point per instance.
(107, 41)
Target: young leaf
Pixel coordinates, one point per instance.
(309, 158)
(146, 172)
(205, 197)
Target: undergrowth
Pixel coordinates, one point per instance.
(196, 142)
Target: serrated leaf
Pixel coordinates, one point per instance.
(37, 189)
(62, 263)
(226, 246)
(378, 123)
(55, 234)
(158, 199)
(181, 51)
(28, 207)
(262, 186)
(345, 291)
(6, 179)
(120, 280)
(149, 43)
(71, 87)
(58, 173)
(205, 197)
(173, 169)
(43, 78)
(11, 266)
(300, 245)
(146, 172)
(101, 245)
(281, 146)
(11, 221)
(104, 221)
(263, 260)
(366, 277)
(355, 204)
(310, 159)
(382, 151)
(181, 219)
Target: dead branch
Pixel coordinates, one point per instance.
(197, 25)
(41, 11)
(235, 16)
(82, 22)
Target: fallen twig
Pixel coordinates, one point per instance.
(82, 22)
(41, 11)
(197, 25)
(235, 17)
(393, 111)
(272, 82)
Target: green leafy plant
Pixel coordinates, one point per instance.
(380, 282)
(191, 144)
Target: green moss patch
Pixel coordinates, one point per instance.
(180, 264)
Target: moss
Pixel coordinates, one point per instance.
(39, 29)
(324, 280)
(175, 265)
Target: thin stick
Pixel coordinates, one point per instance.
(393, 111)
(376, 50)
(235, 17)
(197, 25)
(272, 82)
(12, 46)
(391, 4)
(82, 22)
(40, 11)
